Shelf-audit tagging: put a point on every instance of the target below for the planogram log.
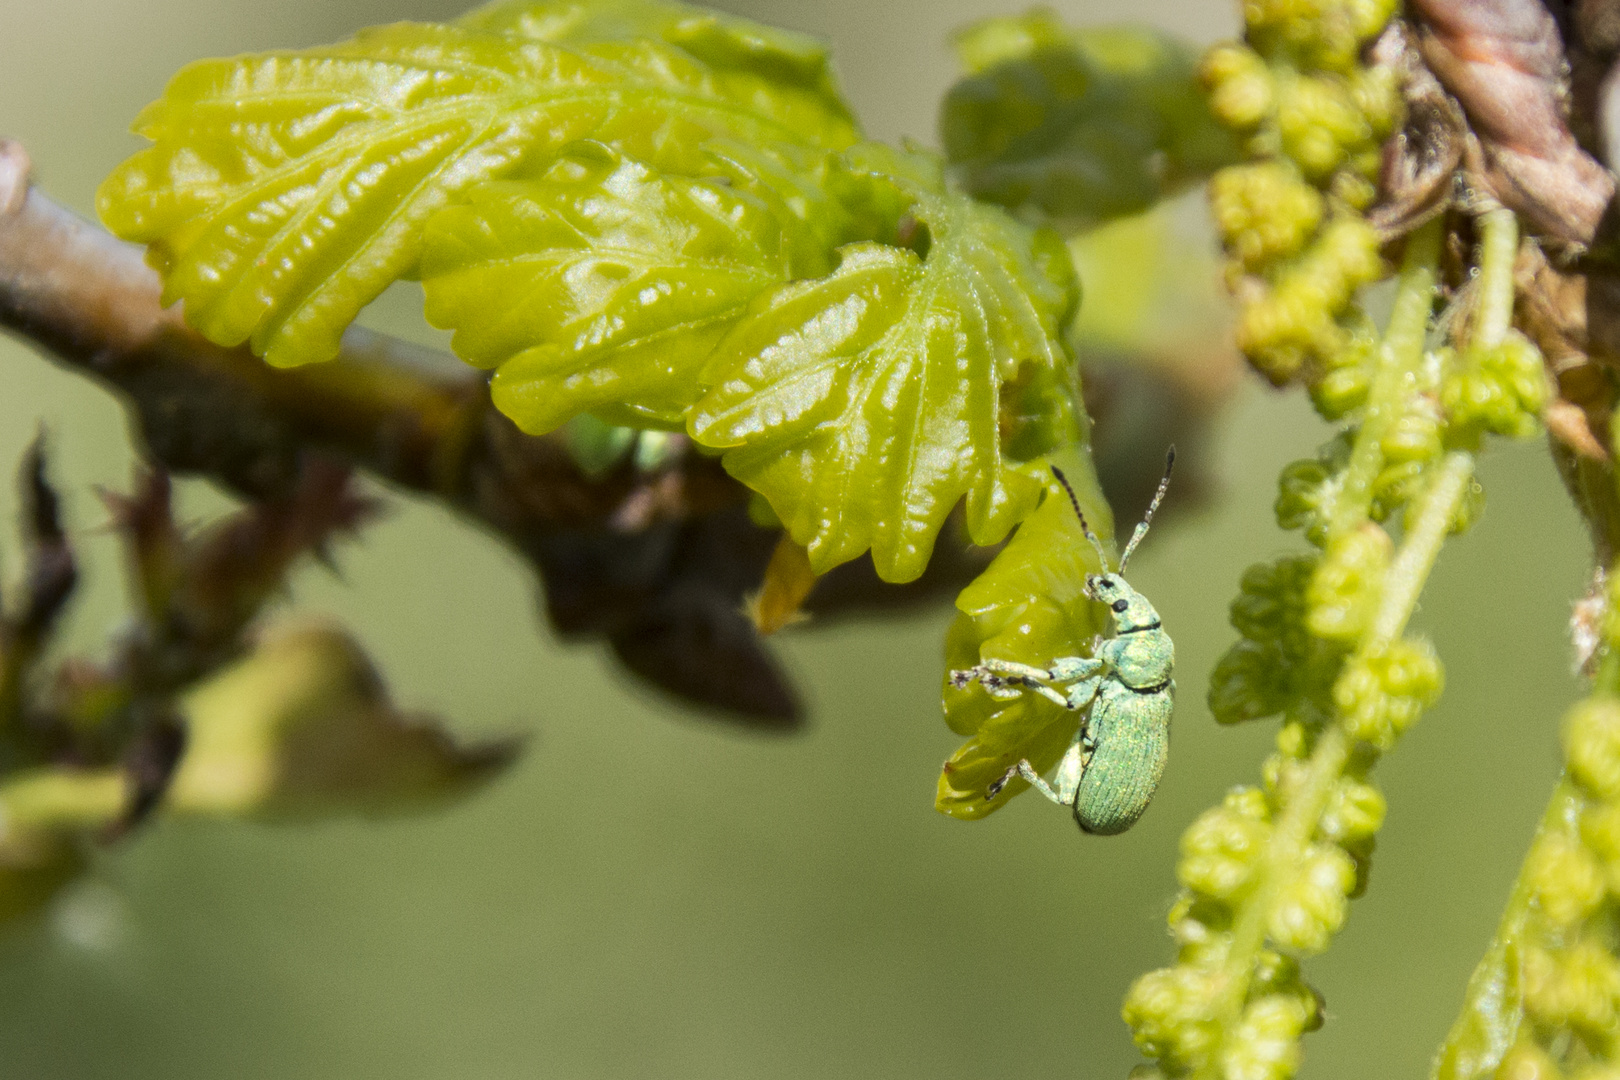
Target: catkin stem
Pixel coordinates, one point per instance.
(1421, 547)
(1499, 244)
(1400, 355)
(1284, 851)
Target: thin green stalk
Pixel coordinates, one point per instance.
(1399, 358)
(1499, 245)
(1411, 566)
(1287, 843)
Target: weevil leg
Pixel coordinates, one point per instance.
(1081, 694)
(1073, 668)
(1005, 679)
(1048, 693)
(1012, 668)
(1070, 769)
(1027, 771)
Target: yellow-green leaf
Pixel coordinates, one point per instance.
(1084, 124)
(726, 43)
(864, 405)
(602, 285)
(284, 191)
(1029, 605)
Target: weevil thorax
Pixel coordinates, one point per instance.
(1131, 610)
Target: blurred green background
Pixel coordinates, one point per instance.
(651, 894)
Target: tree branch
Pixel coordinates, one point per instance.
(655, 561)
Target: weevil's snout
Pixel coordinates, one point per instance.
(1104, 588)
(1130, 608)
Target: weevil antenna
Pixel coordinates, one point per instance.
(1147, 518)
(1102, 556)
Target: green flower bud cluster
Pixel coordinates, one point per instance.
(1343, 377)
(1324, 34)
(1382, 693)
(1315, 117)
(1272, 869)
(1500, 389)
(1276, 666)
(1344, 591)
(1410, 445)
(1224, 862)
(1305, 494)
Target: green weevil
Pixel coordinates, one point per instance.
(1111, 770)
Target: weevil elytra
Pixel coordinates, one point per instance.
(1111, 770)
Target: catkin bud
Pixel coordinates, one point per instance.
(1278, 331)
(1598, 1071)
(1369, 17)
(1250, 681)
(1221, 850)
(1313, 33)
(1354, 189)
(1346, 375)
(1239, 84)
(1565, 879)
(1355, 810)
(1592, 747)
(1382, 694)
(1170, 1015)
(1311, 907)
(1527, 1061)
(1319, 123)
(1264, 211)
(1305, 493)
(1295, 319)
(1344, 590)
(1265, 1045)
(1282, 776)
(1271, 597)
(1576, 988)
(1414, 436)
(1502, 389)
(1600, 830)
(1293, 741)
(1201, 928)
(1376, 93)
(1344, 259)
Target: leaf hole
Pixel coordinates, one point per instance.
(913, 234)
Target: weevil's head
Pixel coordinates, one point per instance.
(1130, 608)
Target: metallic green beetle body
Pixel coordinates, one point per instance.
(1126, 738)
(1113, 767)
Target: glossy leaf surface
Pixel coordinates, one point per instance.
(602, 285)
(865, 404)
(1029, 605)
(1084, 124)
(286, 190)
(731, 46)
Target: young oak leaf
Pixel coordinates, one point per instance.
(865, 404)
(1029, 605)
(600, 286)
(730, 45)
(1084, 124)
(284, 191)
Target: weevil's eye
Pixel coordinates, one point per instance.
(1121, 604)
